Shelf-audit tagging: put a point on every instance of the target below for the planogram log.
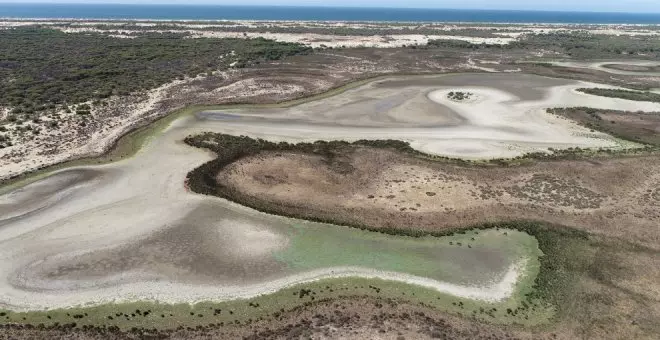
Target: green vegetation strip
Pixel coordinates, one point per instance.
(164, 316)
(640, 96)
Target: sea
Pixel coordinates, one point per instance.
(212, 12)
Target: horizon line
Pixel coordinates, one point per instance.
(322, 6)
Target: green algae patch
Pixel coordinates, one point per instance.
(475, 258)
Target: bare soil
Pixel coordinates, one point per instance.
(383, 188)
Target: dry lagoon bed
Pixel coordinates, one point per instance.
(505, 117)
(130, 230)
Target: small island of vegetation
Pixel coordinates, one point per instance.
(459, 96)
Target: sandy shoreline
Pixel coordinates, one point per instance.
(163, 292)
(136, 109)
(310, 39)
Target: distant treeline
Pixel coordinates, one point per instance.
(573, 44)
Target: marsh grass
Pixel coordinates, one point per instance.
(641, 96)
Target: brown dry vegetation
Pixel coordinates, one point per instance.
(614, 291)
(351, 317)
(642, 127)
(383, 188)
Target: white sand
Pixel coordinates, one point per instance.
(173, 293)
(137, 108)
(4, 112)
(309, 39)
(253, 241)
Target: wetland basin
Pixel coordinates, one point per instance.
(131, 231)
(505, 117)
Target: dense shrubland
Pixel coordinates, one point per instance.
(43, 69)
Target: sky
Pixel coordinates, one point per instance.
(543, 5)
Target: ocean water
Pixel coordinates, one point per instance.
(202, 12)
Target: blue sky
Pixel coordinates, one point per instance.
(548, 5)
